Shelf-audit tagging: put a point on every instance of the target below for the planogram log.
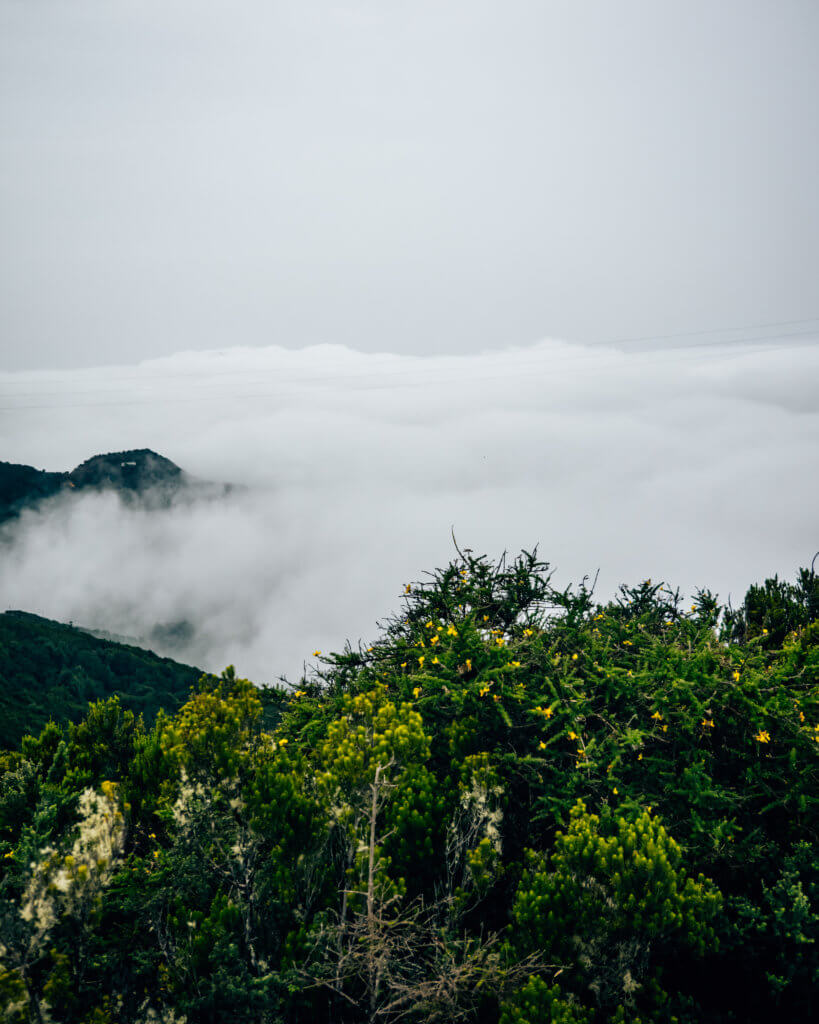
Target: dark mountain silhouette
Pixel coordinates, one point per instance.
(136, 475)
(51, 671)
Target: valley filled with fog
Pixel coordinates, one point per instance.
(690, 464)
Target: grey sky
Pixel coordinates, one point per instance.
(434, 176)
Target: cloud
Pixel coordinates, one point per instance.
(691, 464)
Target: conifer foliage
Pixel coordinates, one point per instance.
(518, 805)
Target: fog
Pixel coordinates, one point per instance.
(696, 465)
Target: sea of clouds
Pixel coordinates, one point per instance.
(695, 465)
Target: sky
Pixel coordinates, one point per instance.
(694, 465)
(536, 272)
(435, 177)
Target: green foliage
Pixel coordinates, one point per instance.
(49, 671)
(612, 900)
(517, 805)
(537, 1003)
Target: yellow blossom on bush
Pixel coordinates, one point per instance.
(763, 736)
(657, 716)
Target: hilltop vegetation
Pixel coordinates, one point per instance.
(138, 474)
(51, 671)
(516, 806)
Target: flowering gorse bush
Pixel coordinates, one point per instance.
(516, 805)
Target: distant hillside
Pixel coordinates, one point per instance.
(137, 474)
(50, 670)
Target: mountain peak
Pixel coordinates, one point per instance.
(133, 470)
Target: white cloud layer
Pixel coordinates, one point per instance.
(694, 465)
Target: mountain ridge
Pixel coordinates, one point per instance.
(137, 474)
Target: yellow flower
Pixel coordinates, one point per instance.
(763, 736)
(435, 640)
(495, 696)
(546, 712)
(574, 657)
(528, 632)
(156, 853)
(284, 742)
(486, 618)
(483, 691)
(316, 654)
(764, 632)
(736, 675)
(515, 664)
(407, 589)
(152, 835)
(707, 723)
(435, 661)
(421, 660)
(630, 674)
(615, 791)
(639, 757)
(430, 625)
(657, 716)
(572, 735)
(469, 664)
(452, 631)
(403, 664)
(440, 629)
(541, 745)
(665, 728)
(628, 643)
(499, 641)
(9, 855)
(801, 716)
(416, 690)
(300, 693)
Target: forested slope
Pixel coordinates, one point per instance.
(515, 806)
(50, 670)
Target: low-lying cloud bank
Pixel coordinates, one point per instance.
(694, 465)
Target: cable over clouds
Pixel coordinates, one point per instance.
(694, 465)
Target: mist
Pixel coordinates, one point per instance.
(691, 465)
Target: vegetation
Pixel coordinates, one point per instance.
(138, 474)
(52, 671)
(517, 806)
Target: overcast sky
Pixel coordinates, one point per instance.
(320, 249)
(417, 177)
